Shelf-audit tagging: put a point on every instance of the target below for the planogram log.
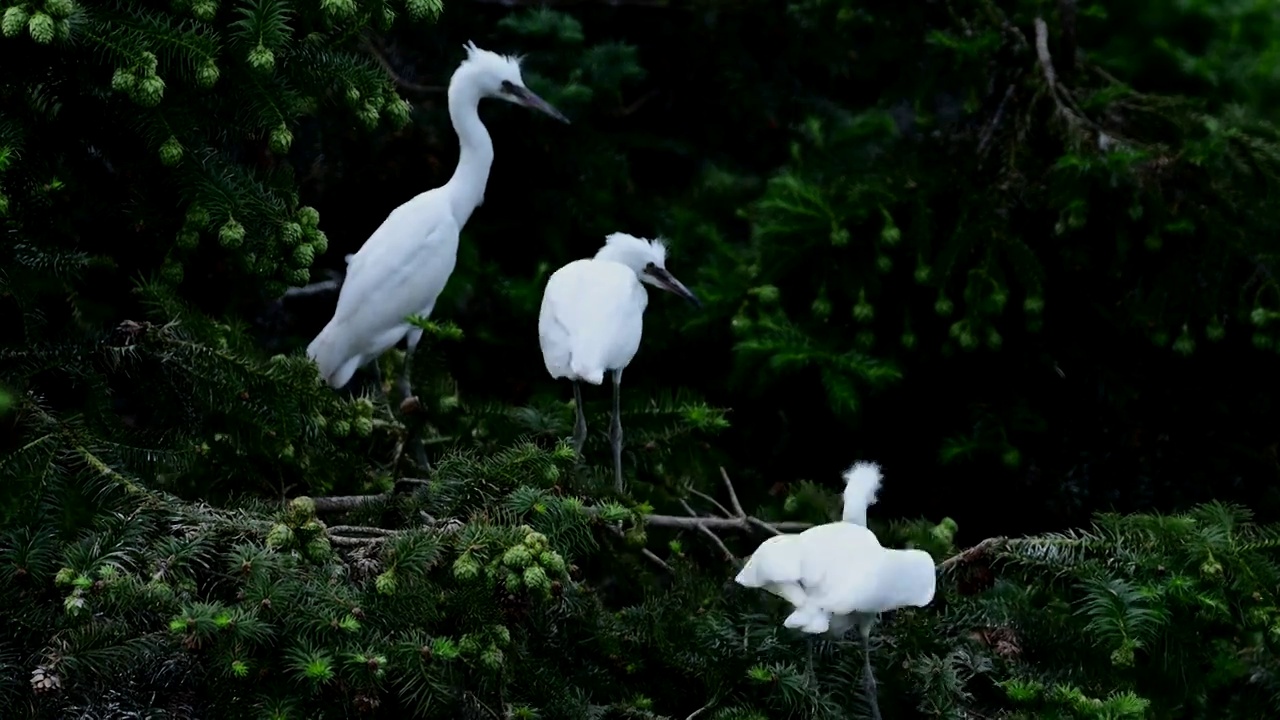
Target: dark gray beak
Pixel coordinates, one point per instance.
(529, 99)
(668, 282)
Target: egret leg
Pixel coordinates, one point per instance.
(808, 668)
(405, 388)
(615, 429)
(868, 678)
(403, 384)
(580, 425)
(375, 369)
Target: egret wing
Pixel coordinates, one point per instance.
(599, 306)
(553, 333)
(400, 270)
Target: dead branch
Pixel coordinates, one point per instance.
(990, 130)
(646, 552)
(1062, 98)
(711, 500)
(348, 541)
(714, 523)
(361, 530)
(635, 106)
(701, 710)
(1042, 52)
(343, 503)
(315, 288)
(395, 77)
(714, 537)
(735, 518)
(969, 554)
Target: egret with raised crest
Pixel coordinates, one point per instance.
(402, 268)
(838, 576)
(592, 317)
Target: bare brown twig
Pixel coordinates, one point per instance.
(969, 554)
(315, 288)
(735, 518)
(714, 538)
(395, 77)
(1067, 106)
(990, 130)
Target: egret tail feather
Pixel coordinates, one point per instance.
(585, 371)
(332, 356)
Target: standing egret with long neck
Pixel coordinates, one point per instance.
(592, 317)
(402, 268)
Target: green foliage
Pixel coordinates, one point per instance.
(158, 82)
(1176, 615)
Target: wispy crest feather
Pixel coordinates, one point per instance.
(656, 248)
(479, 56)
(861, 483)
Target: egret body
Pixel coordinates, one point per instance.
(838, 575)
(592, 317)
(402, 268)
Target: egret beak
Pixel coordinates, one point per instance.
(667, 282)
(529, 99)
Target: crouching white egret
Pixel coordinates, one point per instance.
(838, 575)
(592, 317)
(402, 268)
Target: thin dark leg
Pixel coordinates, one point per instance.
(375, 369)
(579, 425)
(420, 454)
(402, 384)
(868, 677)
(808, 671)
(405, 387)
(615, 430)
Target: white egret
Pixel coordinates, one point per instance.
(592, 317)
(404, 265)
(838, 575)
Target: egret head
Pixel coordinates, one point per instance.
(498, 76)
(648, 258)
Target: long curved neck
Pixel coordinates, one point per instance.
(466, 187)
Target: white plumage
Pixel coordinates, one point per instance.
(581, 340)
(592, 318)
(838, 575)
(861, 483)
(403, 267)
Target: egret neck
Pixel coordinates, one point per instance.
(465, 189)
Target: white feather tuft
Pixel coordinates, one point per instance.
(481, 60)
(620, 244)
(861, 482)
